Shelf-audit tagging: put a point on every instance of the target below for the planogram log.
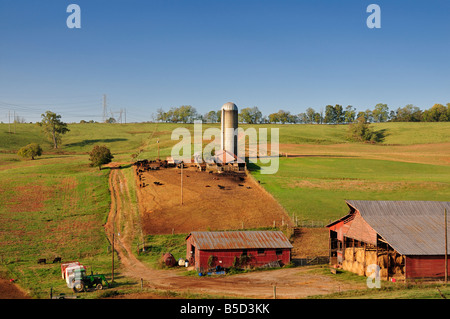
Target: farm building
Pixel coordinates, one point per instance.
(206, 250)
(406, 239)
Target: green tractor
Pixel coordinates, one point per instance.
(83, 282)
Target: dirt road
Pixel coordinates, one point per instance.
(289, 282)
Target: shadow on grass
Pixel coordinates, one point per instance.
(90, 142)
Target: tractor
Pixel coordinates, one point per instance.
(81, 281)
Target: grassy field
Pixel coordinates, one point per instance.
(51, 207)
(314, 188)
(57, 204)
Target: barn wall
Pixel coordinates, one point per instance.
(225, 258)
(425, 266)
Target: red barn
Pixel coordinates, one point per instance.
(206, 250)
(406, 239)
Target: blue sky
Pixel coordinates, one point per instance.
(275, 55)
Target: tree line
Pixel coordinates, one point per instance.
(336, 114)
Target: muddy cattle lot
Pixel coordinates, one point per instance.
(210, 202)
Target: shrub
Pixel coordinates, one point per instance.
(30, 151)
(362, 132)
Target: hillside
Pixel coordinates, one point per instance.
(57, 204)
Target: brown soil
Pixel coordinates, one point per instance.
(290, 282)
(210, 202)
(9, 290)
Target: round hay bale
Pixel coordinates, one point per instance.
(168, 260)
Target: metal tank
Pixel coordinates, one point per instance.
(229, 124)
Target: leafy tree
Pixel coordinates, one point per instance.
(380, 113)
(310, 113)
(250, 115)
(349, 114)
(317, 118)
(408, 113)
(437, 113)
(99, 156)
(339, 113)
(274, 118)
(30, 151)
(53, 127)
(302, 118)
(187, 113)
(330, 114)
(366, 115)
(284, 116)
(219, 116)
(161, 115)
(210, 117)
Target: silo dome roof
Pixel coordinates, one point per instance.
(230, 106)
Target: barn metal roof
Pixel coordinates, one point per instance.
(239, 240)
(410, 227)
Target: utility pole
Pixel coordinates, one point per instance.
(9, 121)
(158, 147)
(104, 108)
(182, 164)
(14, 121)
(446, 245)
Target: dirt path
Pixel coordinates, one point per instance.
(290, 282)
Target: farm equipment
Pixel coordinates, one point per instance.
(82, 282)
(75, 275)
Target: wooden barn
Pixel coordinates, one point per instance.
(406, 239)
(207, 250)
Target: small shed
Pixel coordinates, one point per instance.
(406, 239)
(206, 250)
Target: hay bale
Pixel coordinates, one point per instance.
(360, 255)
(354, 267)
(360, 270)
(168, 260)
(348, 254)
(383, 261)
(347, 265)
(399, 270)
(399, 260)
(357, 268)
(371, 257)
(383, 273)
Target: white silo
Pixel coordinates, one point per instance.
(229, 124)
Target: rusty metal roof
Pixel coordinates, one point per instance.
(239, 240)
(410, 227)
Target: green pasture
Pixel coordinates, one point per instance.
(54, 208)
(315, 188)
(57, 204)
